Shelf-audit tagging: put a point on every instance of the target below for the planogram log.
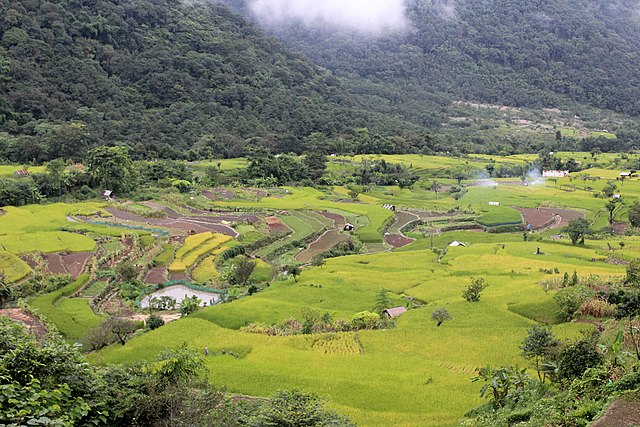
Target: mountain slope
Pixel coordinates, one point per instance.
(160, 76)
(579, 55)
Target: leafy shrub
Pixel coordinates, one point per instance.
(154, 322)
(570, 300)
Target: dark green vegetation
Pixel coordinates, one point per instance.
(168, 79)
(577, 56)
(176, 80)
(48, 382)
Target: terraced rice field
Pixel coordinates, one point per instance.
(196, 246)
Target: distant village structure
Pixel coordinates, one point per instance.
(554, 174)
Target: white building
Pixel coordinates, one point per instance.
(554, 174)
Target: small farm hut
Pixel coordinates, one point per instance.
(394, 312)
(457, 243)
(348, 227)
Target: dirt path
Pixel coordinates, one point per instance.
(33, 324)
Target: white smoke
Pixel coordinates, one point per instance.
(364, 16)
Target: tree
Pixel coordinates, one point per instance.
(120, 327)
(154, 322)
(316, 164)
(577, 229)
(609, 189)
(634, 214)
(45, 382)
(382, 301)
(435, 187)
(440, 315)
(577, 358)
(110, 168)
(633, 273)
(611, 206)
(318, 261)
(244, 269)
(473, 290)
(539, 344)
(293, 271)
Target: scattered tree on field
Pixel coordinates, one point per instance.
(474, 289)
(244, 269)
(293, 271)
(539, 344)
(633, 273)
(577, 229)
(317, 261)
(440, 316)
(154, 322)
(612, 206)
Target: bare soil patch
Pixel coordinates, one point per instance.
(194, 224)
(619, 227)
(33, 324)
(548, 217)
(179, 276)
(397, 240)
(275, 225)
(339, 220)
(155, 276)
(219, 193)
(622, 412)
(322, 244)
(55, 264)
(74, 263)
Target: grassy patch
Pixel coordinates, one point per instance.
(72, 316)
(13, 267)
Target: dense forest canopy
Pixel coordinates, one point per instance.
(535, 54)
(172, 79)
(161, 77)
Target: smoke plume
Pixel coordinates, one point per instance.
(364, 16)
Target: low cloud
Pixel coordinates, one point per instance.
(363, 16)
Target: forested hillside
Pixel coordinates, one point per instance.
(159, 76)
(579, 55)
(173, 79)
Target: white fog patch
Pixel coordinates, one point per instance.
(364, 16)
